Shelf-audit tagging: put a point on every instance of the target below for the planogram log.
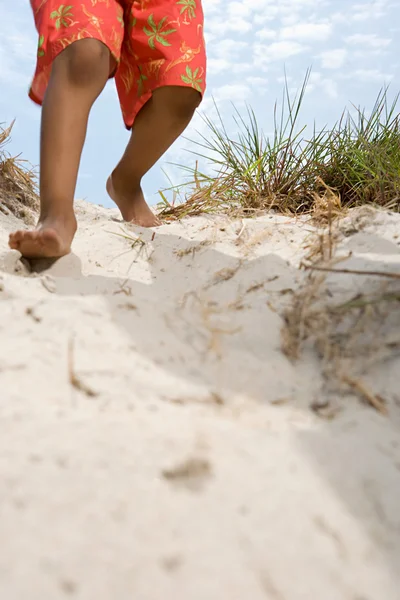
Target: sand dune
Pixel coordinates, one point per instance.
(156, 442)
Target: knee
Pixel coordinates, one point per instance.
(180, 102)
(85, 62)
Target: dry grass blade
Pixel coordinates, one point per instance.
(74, 379)
(351, 334)
(18, 184)
(352, 271)
(299, 318)
(344, 335)
(362, 300)
(373, 400)
(135, 243)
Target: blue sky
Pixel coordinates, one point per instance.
(353, 49)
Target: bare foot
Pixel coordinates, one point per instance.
(132, 205)
(52, 238)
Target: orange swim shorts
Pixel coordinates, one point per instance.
(154, 42)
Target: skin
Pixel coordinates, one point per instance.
(78, 77)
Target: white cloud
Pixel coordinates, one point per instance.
(281, 51)
(236, 93)
(257, 81)
(318, 82)
(218, 65)
(307, 32)
(333, 59)
(228, 48)
(266, 34)
(369, 40)
(371, 76)
(370, 10)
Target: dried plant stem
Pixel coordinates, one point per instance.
(352, 271)
(359, 387)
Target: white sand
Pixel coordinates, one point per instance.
(189, 464)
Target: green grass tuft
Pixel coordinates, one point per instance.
(358, 159)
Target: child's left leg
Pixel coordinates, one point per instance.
(159, 123)
(160, 81)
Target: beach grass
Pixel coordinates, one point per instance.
(358, 158)
(18, 183)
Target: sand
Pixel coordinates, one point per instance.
(156, 442)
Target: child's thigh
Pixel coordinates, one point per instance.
(60, 24)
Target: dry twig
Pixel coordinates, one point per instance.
(352, 271)
(74, 379)
(373, 400)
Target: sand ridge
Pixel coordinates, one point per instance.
(156, 441)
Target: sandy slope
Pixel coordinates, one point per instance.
(156, 443)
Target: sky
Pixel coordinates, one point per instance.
(352, 48)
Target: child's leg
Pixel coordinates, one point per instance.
(162, 69)
(78, 76)
(160, 122)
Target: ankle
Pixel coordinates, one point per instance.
(125, 182)
(65, 218)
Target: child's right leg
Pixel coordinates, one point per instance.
(78, 76)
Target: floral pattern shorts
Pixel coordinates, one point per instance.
(154, 43)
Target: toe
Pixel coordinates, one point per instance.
(27, 243)
(154, 221)
(15, 239)
(39, 243)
